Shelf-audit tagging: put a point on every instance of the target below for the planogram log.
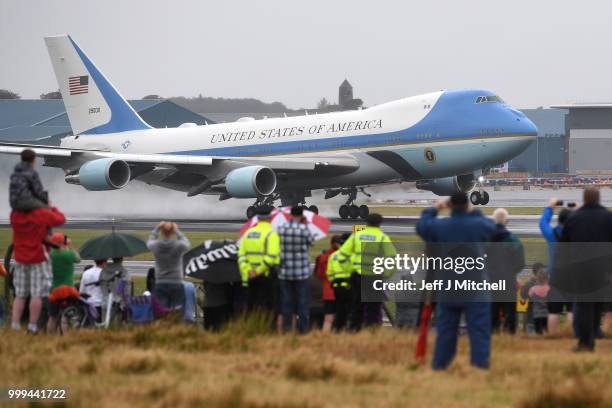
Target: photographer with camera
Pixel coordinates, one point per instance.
(552, 235)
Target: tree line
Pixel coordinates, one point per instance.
(207, 104)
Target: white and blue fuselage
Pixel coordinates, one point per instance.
(435, 135)
(445, 138)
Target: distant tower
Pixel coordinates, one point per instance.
(345, 94)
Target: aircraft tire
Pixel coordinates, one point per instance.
(475, 197)
(364, 211)
(313, 208)
(354, 211)
(343, 211)
(485, 198)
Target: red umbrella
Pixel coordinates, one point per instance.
(317, 224)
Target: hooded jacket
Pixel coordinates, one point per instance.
(25, 184)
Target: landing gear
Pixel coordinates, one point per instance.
(364, 211)
(287, 199)
(264, 200)
(350, 210)
(344, 212)
(475, 197)
(313, 208)
(479, 197)
(485, 198)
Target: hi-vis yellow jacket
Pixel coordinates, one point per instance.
(335, 270)
(351, 252)
(259, 250)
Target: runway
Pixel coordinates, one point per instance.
(395, 225)
(505, 197)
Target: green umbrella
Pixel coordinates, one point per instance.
(113, 245)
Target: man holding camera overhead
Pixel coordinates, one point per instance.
(552, 235)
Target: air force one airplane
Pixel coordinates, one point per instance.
(445, 141)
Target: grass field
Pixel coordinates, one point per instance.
(169, 365)
(166, 365)
(416, 210)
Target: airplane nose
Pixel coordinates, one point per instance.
(530, 128)
(523, 124)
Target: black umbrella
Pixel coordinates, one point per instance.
(113, 245)
(215, 261)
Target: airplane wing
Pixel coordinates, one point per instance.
(56, 156)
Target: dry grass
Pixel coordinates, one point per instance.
(171, 366)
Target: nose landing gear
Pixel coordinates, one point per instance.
(479, 197)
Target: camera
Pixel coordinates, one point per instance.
(569, 204)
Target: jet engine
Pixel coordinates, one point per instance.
(250, 182)
(102, 174)
(448, 185)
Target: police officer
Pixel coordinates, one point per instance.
(258, 256)
(350, 256)
(339, 279)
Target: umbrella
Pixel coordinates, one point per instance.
(215, 261)
(113, 245)
(317, 224)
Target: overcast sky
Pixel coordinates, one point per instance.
(530, 52)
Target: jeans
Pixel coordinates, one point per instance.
(295, 298)
(190, 302)
(170, 294)
(478, 318)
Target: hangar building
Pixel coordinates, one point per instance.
(548, 154)
(590, 138)
(44, 121)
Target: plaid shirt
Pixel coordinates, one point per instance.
(295, 238)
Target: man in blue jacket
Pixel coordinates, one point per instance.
(552, 235)
(463, 226)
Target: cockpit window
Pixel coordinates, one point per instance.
(489, 99)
